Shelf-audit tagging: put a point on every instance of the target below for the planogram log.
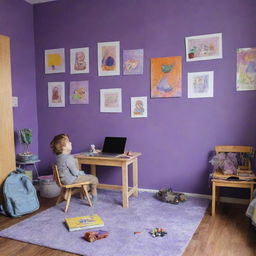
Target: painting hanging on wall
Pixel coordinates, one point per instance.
(204, 47)
(79, 60)
(133, 62)
(246, 69)
(139, 107)
(166, 77)
(109, 58)
(56, 94)
(111, 100)
(79, 92)
(200, 84)
(54, 61)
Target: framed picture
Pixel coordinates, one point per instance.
(111, 100)
(133, 62)
(200, 84)
(54, 61)
(204, 47)
(109, 59)
(79, 92)
(166, 77)
(246, 69)
(56, 94)
(139, 107)
(79, 60)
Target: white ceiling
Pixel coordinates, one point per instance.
(38, 1)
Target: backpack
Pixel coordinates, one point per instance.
(19, 195)
(168, 196)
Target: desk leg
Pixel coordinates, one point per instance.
(125, 185)
(213, 198)
(93, 169)
(135, 176)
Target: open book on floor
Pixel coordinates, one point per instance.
(84, 222)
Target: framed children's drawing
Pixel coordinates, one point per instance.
(111, 100)
(54, 60)
(139, 107)
(246, 69)
(166, 77)
(79, 60)
(109, 58)
(133, 62)
(204, 47)
(56, 94)
(79, 92)
(200, 84)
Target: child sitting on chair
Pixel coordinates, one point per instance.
(67, 164)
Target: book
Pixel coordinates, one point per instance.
(84, 222)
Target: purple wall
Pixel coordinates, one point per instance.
(179, 133)
(16, 21)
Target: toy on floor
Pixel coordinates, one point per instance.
(158, 232)
(92, 236)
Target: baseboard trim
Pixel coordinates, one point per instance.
(231, 200)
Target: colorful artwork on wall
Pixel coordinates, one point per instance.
(246, 69)
(166, 77)
(204, 47)
(200, 84)
(56, 94)
(109, 58)
(79, 92)
(111, 100)
(133, 62)
(79, 60)
(139, 107)
(54, 61)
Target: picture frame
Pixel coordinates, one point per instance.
(109, 58)
(79, 60)
(56, 94)
(166, 77)
(54, 60)
(133, 62)
(200, 84)
(111, 100)
(79, 92)
(246, 69)
(204, 47)
(139, 107)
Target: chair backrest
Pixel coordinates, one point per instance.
(56, 175)
(237, 149)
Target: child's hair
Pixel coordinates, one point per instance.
(58, 142)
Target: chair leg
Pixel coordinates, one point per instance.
(68, 199)
(82, 193)
(87, 195)
(60, 196)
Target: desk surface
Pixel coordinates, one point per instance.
(121, 158)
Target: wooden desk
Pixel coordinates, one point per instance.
(217, 183)
(118, 162)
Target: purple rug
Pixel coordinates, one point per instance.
(145, 213)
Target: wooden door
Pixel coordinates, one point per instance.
(7, 151)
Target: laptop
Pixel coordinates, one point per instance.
(113, 146)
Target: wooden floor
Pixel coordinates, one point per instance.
(229, 233)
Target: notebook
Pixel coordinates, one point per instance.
(113, 146)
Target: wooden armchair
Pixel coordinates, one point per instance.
(68, 190)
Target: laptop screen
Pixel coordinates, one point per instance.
(114, 145)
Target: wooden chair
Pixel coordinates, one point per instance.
(68, 190)
(220, 180)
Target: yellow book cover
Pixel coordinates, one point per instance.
(84, 222)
